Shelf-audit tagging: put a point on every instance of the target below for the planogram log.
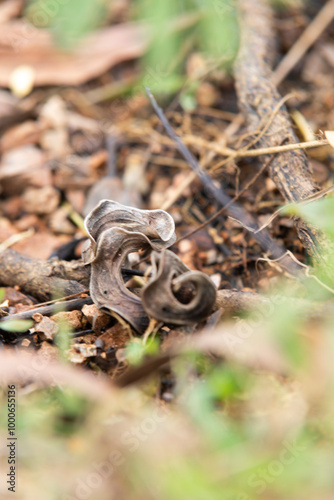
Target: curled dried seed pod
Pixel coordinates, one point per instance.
(107, 287)
(115, 231)
(177, 295)
(157, 225)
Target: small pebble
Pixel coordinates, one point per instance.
(167, 396)
(99, 344)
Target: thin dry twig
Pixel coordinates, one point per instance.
(222, 210)
(48, 310)
(289, 61)
(258, 134)
(304, 42)
(313, 197)
(178, 192)
(233, 154)
(264, 238)
(60, 300)
(257, 96)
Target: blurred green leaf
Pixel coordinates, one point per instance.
(71, 410)
(63, 339)
(227, 382)
(136, 351)
(218, 29)
(212, 29)
(17, 325)
(285, 324)
(320, 213)
(188, 102)
(69, 20)
(175, 27)
(159, 64)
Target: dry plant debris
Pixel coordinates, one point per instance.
(265, 113)
(115, 231)
(186, 345)
(176, 295)
(36, 49)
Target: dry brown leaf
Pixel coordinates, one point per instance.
(23, 44)
(19, 160)
(7, 229)
(28, 132)
(41, 201)
(22, 167)
(40, 245)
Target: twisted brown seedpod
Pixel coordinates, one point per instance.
(115, 231)
(157, 225)
(176, 294)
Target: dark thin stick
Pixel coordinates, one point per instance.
(222, 210)
(111, 143)
(49, 302)
(132, 272)
(81, 334)
(237, 212)
(70, 305)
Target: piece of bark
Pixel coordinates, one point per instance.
(235, 301)
(43, 279)
(258, 100)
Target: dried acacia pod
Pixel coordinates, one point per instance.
(157, 225)
(176, 294)
(115, 231)
(107, 287)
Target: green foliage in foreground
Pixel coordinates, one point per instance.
(175, 27)
(232, 431)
